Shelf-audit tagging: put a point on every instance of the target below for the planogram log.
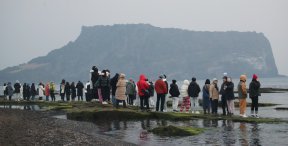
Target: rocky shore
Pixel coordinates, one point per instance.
(19, 127)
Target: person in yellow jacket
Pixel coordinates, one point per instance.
(242, 93)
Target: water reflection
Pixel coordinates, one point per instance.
(243, 134)
(255, 136)
(21, 107)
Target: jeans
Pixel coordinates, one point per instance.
(47, 98)
(194, 103)
(114, 100)
(224, 105)
(162, 98)
(175, 103)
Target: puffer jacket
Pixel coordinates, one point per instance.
(184, 89)
(242, 92)
(160, 87)
(254, 88)
(230, 91)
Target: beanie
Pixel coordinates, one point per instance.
(255, 76)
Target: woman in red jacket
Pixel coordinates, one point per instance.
(161, 90)
(143, 92)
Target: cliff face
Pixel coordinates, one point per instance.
(139, 48)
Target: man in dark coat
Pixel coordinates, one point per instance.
(174, 92)
(80, 88)
(193, 91)
(224, 96)
(254, 93)
(113, 83)
(17, 87)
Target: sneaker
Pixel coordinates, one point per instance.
(252, 115)
(186, 112)
(197, 112)
(192, 112)
(256, 116)
(104, 102)
(244, 116)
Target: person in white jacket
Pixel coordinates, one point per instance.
(185, 96)
(41, 90)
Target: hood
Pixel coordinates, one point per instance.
(186, 82)
(142, 77)
(122, 76)
(243, 78)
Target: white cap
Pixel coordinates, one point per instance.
(225, 74)
(215, 79)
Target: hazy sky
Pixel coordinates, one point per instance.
(32, 28)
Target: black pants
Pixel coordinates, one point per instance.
(80, 97)
(62, 96)
(214, 106)
(117, 103)
(254, 105)
(52, 94)
(130, 99)
(224, 105)
(10, 98)
(162, 98)
(105, 91)
(144, 100)
(68, 97)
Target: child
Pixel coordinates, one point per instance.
(186, 98)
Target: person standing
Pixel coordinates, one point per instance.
(161, 90)
(143, 92)
(121, 91)
(193, 91)
(131, 91)
(67, 91)
(185, 96)
(230, 96)
(80, 88)
(242, 93)
(52, 90)
(5, 91)
(254, 93)
(47, 91)
(41, 91)
(33, 91)
(167, 90)
(214, 95)
(94, 78)
(25, 91)
(223, 96)
(17, 87)
(62, 89)
(174, 92)
(206, 97)
(88, 91)
(113, 83)
(9, 90)
(103, 85)
(73, 91)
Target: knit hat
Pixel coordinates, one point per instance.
(243, 78)
(194, 79)
(207, 81)
(161, 76)
(255, 77)
(215, 79)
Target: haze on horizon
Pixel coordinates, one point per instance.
(32, 28)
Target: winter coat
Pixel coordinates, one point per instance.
(242, 92)
(73, 91)
(254, 88)
(131, 88)
(151, 89)
(103, 82)
(167, 89)
(223, 90)
(67, 89)
(205, 95)
(9, 90)
(113, 83)
(26, 90)
(230, 91)
(184, 89)
(62, 89)
(47, 90)
(121, 88)
(160, 87)
(213, 92)
(41, 90)
(33, 90)
(174, 90)
(193, 89)
(17, 87)
(52, 88)
(142, 85)
(80, 88)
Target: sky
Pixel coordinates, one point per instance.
(32, 28)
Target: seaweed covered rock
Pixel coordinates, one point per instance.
(176, 131)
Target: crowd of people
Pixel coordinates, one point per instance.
(101, 87)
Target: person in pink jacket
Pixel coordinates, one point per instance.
(47, 91)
